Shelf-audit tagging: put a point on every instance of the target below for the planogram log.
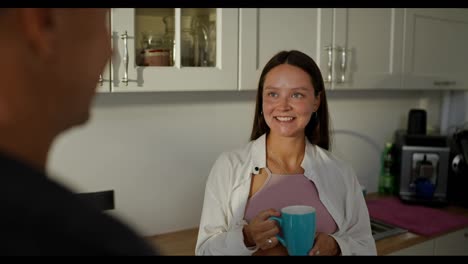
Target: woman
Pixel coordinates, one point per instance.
(287, 162)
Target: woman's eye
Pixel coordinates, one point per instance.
(297, 95)
(272, 94)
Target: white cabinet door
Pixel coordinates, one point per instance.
(104, 83)
(266, 31)
(435, 48)
(367, 48)
(355, 48)
(455, 243)
(422, 249)
(129, 76)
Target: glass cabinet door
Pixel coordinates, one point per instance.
(174, 49)
(104, 84)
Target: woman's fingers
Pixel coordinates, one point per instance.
(263, 230)
(324, 245)
(269, 242)
(264, 215)
(267, 239)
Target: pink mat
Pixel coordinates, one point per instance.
(416, 219)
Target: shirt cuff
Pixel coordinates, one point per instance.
(236, 240)
(343, 246)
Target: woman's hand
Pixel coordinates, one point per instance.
(261, 231)
(279, 250)
(325, 245)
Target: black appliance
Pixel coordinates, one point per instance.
(421, 168)
(417, 119)
(458, 173)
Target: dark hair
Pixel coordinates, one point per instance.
(317, 130)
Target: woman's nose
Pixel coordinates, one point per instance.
(284, 103)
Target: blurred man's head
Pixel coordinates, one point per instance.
(51, 61)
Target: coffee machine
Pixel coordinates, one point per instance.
(421, 168)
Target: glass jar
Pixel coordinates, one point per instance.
(156, 57)
(212, 40)
(187, 42)
(154, 53)
(168, 40)
(147, 41)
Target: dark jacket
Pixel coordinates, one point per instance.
(41, 217)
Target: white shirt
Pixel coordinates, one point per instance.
(227, 190)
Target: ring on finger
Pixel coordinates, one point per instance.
(269, 241)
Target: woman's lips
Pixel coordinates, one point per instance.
(284, 118)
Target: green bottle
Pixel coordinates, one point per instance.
(386, 179)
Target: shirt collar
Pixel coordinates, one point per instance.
(310, 157)
(259, 156)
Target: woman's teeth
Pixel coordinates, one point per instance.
(284, 119)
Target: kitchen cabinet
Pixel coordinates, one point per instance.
(265, 31)
(355, 48)
(435, 53)
(174, 49)
(367, 46)
(422, 249)
(455, 243)
(104, 84)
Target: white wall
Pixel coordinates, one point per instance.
(156, 149)
(453, 111)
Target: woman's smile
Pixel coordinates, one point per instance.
(284, 119)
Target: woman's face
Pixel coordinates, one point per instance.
(288, 100)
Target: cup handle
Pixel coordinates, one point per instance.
(280, 222)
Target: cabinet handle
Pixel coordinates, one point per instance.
(101, 80)
(342, 65)
(465, 235)
(125, 58)
(444, 83)
(329, 50)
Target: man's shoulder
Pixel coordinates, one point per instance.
(60, 223)
(41, 216)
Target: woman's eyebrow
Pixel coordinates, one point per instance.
(296, 88)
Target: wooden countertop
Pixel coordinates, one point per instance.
(180, 243)
(183, 242)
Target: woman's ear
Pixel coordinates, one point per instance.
(317, 101)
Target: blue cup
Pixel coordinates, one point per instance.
(297, 222)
